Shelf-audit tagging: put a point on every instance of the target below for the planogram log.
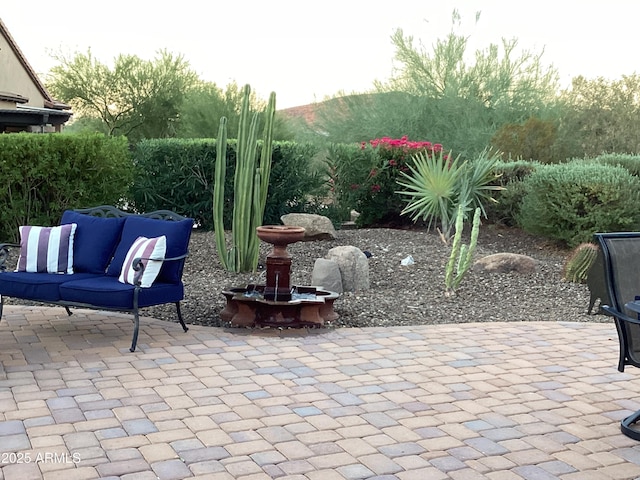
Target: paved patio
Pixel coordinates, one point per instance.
(492, 400)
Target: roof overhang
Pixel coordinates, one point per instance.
(24, 115)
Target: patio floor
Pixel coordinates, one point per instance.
(539, 400)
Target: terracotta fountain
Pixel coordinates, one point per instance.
(278, 303)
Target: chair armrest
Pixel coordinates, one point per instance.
(615, 313)
(4, 254)
(138, 266)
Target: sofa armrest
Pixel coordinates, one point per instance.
(4, 254)
(138, 266)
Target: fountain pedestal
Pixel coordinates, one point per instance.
(278, 303)
(278, 286)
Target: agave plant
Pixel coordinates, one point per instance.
(437, 186)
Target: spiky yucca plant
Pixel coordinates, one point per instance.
(437, 185)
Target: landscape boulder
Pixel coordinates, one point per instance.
(317, 227)
(326, 274)
(506, 263)
(353, 265)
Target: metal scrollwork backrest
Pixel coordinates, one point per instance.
(110, 211)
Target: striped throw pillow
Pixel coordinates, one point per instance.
(46, 249)
(146, 248)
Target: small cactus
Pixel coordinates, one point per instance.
(460, 257)
(576, 267)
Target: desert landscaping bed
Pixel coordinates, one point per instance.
(406, 295)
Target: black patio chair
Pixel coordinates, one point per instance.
(620, 264)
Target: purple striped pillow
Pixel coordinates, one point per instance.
(147, 248)
(46, 249)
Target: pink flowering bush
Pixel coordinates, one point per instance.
(366, 179)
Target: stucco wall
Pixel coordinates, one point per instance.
(14, 78)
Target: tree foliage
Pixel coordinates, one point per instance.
(206, 103)
(533, 140)
(136, 98)
(444, 98)
(601, 116)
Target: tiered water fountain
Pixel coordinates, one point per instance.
(278, 303)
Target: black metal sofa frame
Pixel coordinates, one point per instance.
(169, 288)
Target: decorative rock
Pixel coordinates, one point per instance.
(317, 227)
(506, 263)
(326, 275)
(354, 267)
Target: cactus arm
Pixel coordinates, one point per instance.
(243, 196)
(466, 257)
(265, 157)
(455, 249)
(218, 193)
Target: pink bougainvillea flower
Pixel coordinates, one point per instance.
(393, 163)
(437, 147)
(375, 188)
(355, 186)
(363, 145)
(373, 172)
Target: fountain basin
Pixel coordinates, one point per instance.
(280, 235)
(308, 307)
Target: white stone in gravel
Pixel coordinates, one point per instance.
(354, 267)
(326, 274)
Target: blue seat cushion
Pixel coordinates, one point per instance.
(37, 286)
(95, 240)
(178, 234)
(107, 292)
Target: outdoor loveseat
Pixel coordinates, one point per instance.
(101, 258)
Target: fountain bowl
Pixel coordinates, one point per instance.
(280, 235)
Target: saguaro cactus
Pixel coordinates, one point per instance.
(251, 183)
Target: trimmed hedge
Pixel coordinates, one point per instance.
(43, 175)
(178, 175)
(572, 201)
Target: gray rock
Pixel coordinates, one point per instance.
(505, 263)
(354, 267)
(326, 274)
(317, 227)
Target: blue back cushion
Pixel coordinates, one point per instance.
(95, 240)
(177, 233)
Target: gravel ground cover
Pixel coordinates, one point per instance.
(405, 295)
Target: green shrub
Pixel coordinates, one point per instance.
(510, 176)
(364, 177)
(533, 140)
(630, 162)
(178, 174)
(347, 166)
(570, 202)
(43, 175)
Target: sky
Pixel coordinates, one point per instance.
(306, 51)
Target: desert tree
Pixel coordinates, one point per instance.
(135, 97)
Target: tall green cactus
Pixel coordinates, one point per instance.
(251, 183)
(461, 255)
